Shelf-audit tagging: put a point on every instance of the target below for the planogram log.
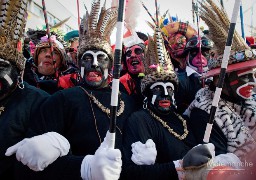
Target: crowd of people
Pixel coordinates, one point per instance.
(55, 96)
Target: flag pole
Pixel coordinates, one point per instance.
(116, 70)
(224, 65)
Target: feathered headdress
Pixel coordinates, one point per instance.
(158, 66)
(217, 20)
(12, 23)
(96, 28)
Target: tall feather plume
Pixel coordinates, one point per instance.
(20, 25)
(151, 52)
(94, 13)
(224, 17)
(111, 23)
(101, 17)
(218, 22)
(110, 15)
(12, 25)
(96, 28)
(132, 12)
(6, 12)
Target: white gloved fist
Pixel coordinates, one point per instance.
(144, 154)
(40, 151)
(105, 164)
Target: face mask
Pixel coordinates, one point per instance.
(96, 66)
(198, 53)
(162, 97)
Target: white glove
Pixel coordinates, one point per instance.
(40, 151)
(105, 164)
(144, 154)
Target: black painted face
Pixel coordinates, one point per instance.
(95, 66)
(162, 97)
(242, 83)
(8, 78)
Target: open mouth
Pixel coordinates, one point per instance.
(135, 62)
(165, 103)
(246, 91)
(94, 76)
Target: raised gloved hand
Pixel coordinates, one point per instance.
(40, 151)
(105, 164)
(144, 154)
(198, 156)
(198, 160)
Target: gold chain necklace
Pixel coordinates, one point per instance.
(102, 107)
(180, 137)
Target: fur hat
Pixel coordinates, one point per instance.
(241, 56)
(12, 25)
(96, 28)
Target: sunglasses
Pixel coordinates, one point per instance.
(137, 51)
(205, 43)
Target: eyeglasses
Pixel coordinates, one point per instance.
(205, 43)
(137, 51)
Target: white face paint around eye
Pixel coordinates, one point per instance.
(153, 99)
(82, 71)
(8, 79)
(164, 85)
(95, 56)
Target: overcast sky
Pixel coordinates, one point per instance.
(181, 8)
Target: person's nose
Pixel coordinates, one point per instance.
(48, 54)
(133, 54)
(95, 62)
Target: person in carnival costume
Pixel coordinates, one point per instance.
(19, 102)
(44, 72)
(72, 38)
(161, 142)
(189, 52)
(235, 114)
(82, 113)
(133, 53)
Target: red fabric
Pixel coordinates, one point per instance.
(250, 40)
(65, 82)
(128, 83)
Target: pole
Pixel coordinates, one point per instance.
(224, 65)
(242, 20)
(221, 3)
(78, 13)
(116, 71)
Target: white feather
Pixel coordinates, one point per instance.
(132, 12)
(114, 3)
